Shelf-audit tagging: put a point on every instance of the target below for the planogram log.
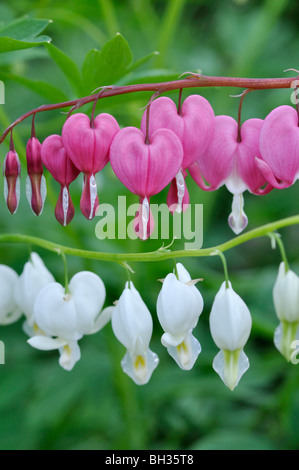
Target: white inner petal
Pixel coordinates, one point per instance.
(43, 190)
(145, 214)
(237, 219)
(5, 190)
(180, 184)
(65, 204)
(93, 194)
(28, 190)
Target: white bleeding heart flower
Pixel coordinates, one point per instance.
(230, 325)
(63, 318)
(286, 303)
(33, 278)
(179, 306)
(132, 324)
(9, 309)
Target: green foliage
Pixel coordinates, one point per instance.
(96, 406)
(22, 34)
(108, 65)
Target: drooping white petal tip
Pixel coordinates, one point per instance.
(286, 338)
(237, 219)
(70, 354)
(180, 184)
(140, 367)
(185, 353)
(231, 366)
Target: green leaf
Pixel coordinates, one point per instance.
(22, 34)
(48, 91)
(11, 58)
(67, 66)
(138, 63)
(105, 67)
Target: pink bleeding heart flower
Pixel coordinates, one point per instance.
(56, 160)
(11, 172)
(231, 160)
(193, 123)
(279, 146)
(35, 184)
(145, 168)
(87, 143)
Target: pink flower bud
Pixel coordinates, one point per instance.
(35, 184)
(145, 168)
(11, 171)
(56, 160)
(87, 142)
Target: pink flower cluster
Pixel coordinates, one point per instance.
(258, 156)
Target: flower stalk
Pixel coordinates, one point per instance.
(159, 255)
(193, 81)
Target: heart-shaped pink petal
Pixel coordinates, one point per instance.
(88, 147)
(56, 160)
(146, 169)
(279, 145)
(248, 150)
(194, 125)
(217, 163)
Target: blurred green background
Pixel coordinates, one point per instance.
(96, 406)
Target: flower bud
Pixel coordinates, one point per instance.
(132, 324)
(286, 303)
(35, 184)
(11, 171)
(230, 325)
(179, 306)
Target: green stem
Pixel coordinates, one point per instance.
(66, 277)
(282, 250)
(219, 253)
(158, 255)
(176, 269)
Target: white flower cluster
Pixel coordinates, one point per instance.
(56, 319)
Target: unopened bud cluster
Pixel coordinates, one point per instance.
(57, 317)
(257, 156)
